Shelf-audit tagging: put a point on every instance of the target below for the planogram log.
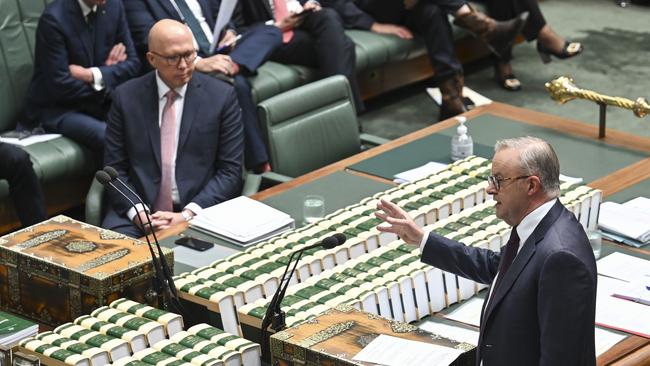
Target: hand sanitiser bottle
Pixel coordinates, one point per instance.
(462, 145)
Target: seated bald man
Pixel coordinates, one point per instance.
(177, 159)
(542, 300)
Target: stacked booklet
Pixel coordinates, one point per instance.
(13, 329)
(628, 223)
(242, 221)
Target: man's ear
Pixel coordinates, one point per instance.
(151, 58)
(534, 185)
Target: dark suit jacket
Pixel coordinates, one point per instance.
(64, 38)
(253, 12)
(210, 145)
(543, 312)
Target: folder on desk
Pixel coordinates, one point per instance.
(242, 221)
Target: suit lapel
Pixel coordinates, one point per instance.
(151, 119)
(267, 6)
(525, 254)
(191, 107)
(78, 21)
(169, 8)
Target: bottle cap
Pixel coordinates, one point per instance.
(462, 129)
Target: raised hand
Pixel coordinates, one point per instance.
(400, 222)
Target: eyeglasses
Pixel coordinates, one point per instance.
(496, 181)
(176, 59)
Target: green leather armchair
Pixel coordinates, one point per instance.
(309, 127)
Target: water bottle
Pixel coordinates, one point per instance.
(462, 145)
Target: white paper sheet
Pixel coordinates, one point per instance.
(475, 97)
(393, 351)
(34, 139)
(468, 313)
(624, 267)
(223, 17)
(419, 172)
(606, 339)
(615, 313)
(639, 203)
(625, 220)
(458, 334)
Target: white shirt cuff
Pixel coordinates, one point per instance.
(98, 79)
(132, 211)
(425, 237)
(193, 207)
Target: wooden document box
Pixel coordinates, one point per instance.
(60, 269)
(337, 335)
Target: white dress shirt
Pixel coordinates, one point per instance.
(179, 103)
(98, 78)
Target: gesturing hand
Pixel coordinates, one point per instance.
(393, 29)
(117, 55)
(400, 222)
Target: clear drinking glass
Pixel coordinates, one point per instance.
(313, 208)
(596, 241)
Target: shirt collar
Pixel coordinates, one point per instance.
(530, 222)
(163, 88)
(85, 9)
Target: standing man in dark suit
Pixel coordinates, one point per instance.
(24, 188)
(244, 57)
(429, 18)
(314, 38)
(174, 136)
(540, 309)
(83, 51)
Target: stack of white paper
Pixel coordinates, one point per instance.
(242, 221)
(631, 219)
(419, 172)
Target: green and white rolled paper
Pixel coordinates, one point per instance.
(250, 352)
(173, 323)
(152, 330)
(157, 358)
(137, 340)
(54, 352)
(186, 354)
(116, 348)
(129, 361)
(97, 356)
(228, 356)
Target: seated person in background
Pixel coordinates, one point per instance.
(544, 278)
(174, 136)
(548, 42)
(429, 19)
(83, 51)
(314, 38)
(24, 187)
(244, 58)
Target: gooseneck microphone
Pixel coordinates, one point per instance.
(274, 315)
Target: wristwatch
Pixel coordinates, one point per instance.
(187, 215)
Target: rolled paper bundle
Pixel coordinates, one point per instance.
(54, 352)
(250, 352)
(186, 354)
(116, 348)
(173, 322)
(129, 361)
(96, 355)
(152, 330)
(137, 340)
(157, 358)
(228, 356)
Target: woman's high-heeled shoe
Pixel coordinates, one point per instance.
(570, 49)
(508, 82)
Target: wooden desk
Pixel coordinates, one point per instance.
(634, 350)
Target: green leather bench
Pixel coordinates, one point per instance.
(64, 168)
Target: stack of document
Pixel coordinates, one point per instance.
(628, 222)
(242, 221)
(13, 329)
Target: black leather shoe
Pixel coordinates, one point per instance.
(570, 49)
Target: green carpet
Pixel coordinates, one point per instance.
(615, 62)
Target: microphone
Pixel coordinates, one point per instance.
(114, 175)
(274, 315)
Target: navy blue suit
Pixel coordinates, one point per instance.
(251, 51)
(543, 311)
(210, 145)
(56, 100)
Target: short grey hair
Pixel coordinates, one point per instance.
(536, 157)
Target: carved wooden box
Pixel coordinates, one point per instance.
(336, 336)
(60, 269)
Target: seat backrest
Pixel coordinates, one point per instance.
(18, 21)
(311, 126)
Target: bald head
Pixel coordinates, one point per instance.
(171, 52)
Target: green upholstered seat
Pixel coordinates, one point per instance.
(63, 167)
(310, 126)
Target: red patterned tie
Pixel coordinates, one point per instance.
(167, 149)
(280, 13)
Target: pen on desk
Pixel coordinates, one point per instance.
(225, 46)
